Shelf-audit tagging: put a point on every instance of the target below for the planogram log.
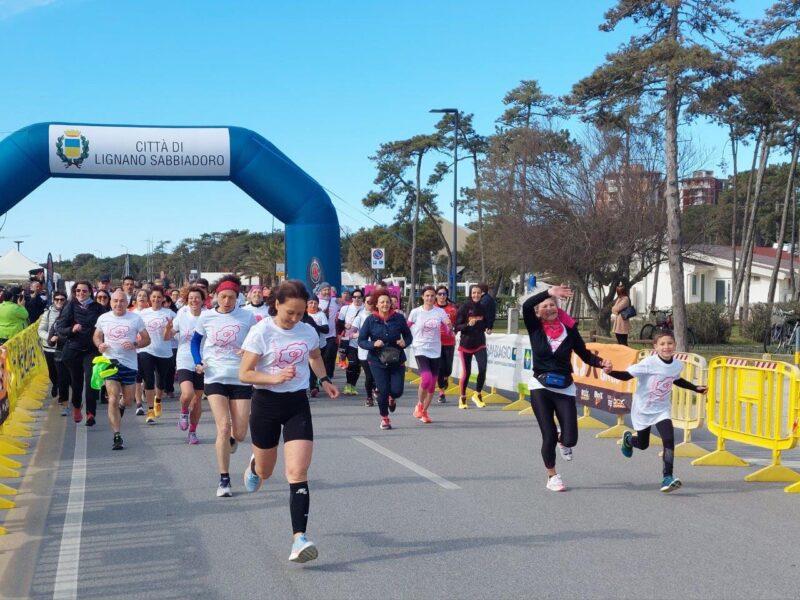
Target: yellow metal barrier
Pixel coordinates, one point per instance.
(753, 402)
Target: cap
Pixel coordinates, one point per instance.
(323, 285)
(104, 279)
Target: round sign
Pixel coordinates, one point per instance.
(377, 254)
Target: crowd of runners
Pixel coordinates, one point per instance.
(258, 356)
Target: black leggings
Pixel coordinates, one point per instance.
(155, 370)
(445, 366)
(50, 359)
(353, 365)
(80, 371)
(369, 380)
(546, 406)
(329, 353)
(667, 432)
(64, 381)
(622, 339)
(466, 368)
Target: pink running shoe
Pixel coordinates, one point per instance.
(183, 422)
(192, 438)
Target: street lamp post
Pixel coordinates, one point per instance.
(454, 249)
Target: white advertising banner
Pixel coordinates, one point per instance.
(83, 150)
(508, 361)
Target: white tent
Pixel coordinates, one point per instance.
(15, 267)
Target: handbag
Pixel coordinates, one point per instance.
(627, 312)
(555, 380)
(389, 355)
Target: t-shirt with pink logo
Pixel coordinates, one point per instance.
(652, 400)
(279, 348)
(426, 329)
(156, 322)
(223, 335)
(184, 325)
(118, 330)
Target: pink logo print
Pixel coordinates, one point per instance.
(226, 335)
(156, 324)
(293, 353)
(661, 387)
(430, 328)
(118, 333)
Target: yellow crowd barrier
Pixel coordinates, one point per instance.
(753, 402)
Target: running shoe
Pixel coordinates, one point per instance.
(626, 447)
(151, 417)
(462, 403)
(386, 423)
(183, 422)
(303, 550)
(64, 410)
(477, 400)
(192, 438)
(234, 445)
(77, 415)
(392, 404)
(140, 410)
(252, 482)
(442, 399)
(117, 445)
(418, 410)
(224, 488)
(90, 419)
(670, 484)
(157, 408)
(554, 483)
(424, 417)
(566, 453)
(314, 392)
(369, 401)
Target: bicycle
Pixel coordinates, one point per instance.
(780, 337)
(663, 320)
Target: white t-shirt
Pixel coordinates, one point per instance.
(652, 400)
(348, 315)
(426, 331)
(156, 321)
(223, 334)
(118, 330)
(261, 312)
(184, 325)
(320, 319)
(279, 348)
(363, 353)
(332, 307)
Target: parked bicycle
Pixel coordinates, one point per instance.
(780, 337)
(663, 320)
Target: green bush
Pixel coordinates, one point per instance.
(709, 322)
(760, 320)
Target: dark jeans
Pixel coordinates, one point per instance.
(80, 372)
(50, 359)
(64, 381)
(353, 366)
(547, 406)
(622, 338)
(329, 353)
(390, 381)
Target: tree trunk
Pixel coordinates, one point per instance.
(479, 202)
(762, 168)
(413, 289)
(782, 229)
(734, 155)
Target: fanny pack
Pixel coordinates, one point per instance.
(555, 380)
(389, 355)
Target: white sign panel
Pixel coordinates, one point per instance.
(378, 258)
(280, 269)
(139, 151)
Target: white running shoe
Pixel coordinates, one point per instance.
(224, 489)
(554, 483)
(566, 453)
(303, 550)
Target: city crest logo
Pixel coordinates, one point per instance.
(72, 148)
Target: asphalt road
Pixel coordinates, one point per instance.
(455, 509)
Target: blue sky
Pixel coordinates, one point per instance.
(326, 82)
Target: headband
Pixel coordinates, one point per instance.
(227, 285)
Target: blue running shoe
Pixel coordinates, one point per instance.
(670, 484)
(303, 550)
(626, 448)
(252, 482)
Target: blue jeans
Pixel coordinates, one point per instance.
(389, 381)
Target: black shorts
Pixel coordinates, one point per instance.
(154, 370)
(230, 391)
(272, 411)
(124, 375)
(193, 376)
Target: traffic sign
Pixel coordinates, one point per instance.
(378, 258)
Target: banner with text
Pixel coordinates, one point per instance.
(83, 150)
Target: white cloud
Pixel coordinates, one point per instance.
(9, 8)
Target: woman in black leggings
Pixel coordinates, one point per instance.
(471, 322)
(554, 337)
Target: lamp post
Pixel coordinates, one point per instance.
(454, 253)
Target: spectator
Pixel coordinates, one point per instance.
(489, 307)
(621, 325)
(35, 304)
(13, 315)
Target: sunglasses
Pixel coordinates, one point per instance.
(101, 298)
(357, 297)
(81, 291)
(441, 293)
(59, 299)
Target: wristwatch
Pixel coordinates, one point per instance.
(325, 379)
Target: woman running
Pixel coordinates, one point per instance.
(347, 315)
(189, 380)
(255, 303)
(217, 350)
(448, 342)
(471, 322)
(49, 341)
(156, 357)
(369, 381)
(554, 337)
(319, 321)
(139, 302)
(384, 334)
(426, 322)
(277, 355)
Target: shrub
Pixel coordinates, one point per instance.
(709, 322)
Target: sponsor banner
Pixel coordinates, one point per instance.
(4, 406)
(595, 388)
(86, 150)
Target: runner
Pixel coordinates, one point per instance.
(154, 361)
(329, 306)
(220, 333)
(128, 286)
(385, 333)
(116, 337)
(48, 343)
(426, 322)
(277, 355)
(191, 382)
(448, 342)
(317, 319)
(140, 302)
(255, 303)
(471, 322)
(347, 316)
(369, 381)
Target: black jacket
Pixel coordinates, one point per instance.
(86, 316)
(489, 305)
(35, 305)
(472, 336)
(544, 359)
(388, 331)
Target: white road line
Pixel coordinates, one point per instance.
(66, 584)
(412, 466)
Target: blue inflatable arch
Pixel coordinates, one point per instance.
(31, 155)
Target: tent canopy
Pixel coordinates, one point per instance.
(15, 267)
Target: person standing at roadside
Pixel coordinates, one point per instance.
(13, 314)
(622, 326)
(489, 307)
